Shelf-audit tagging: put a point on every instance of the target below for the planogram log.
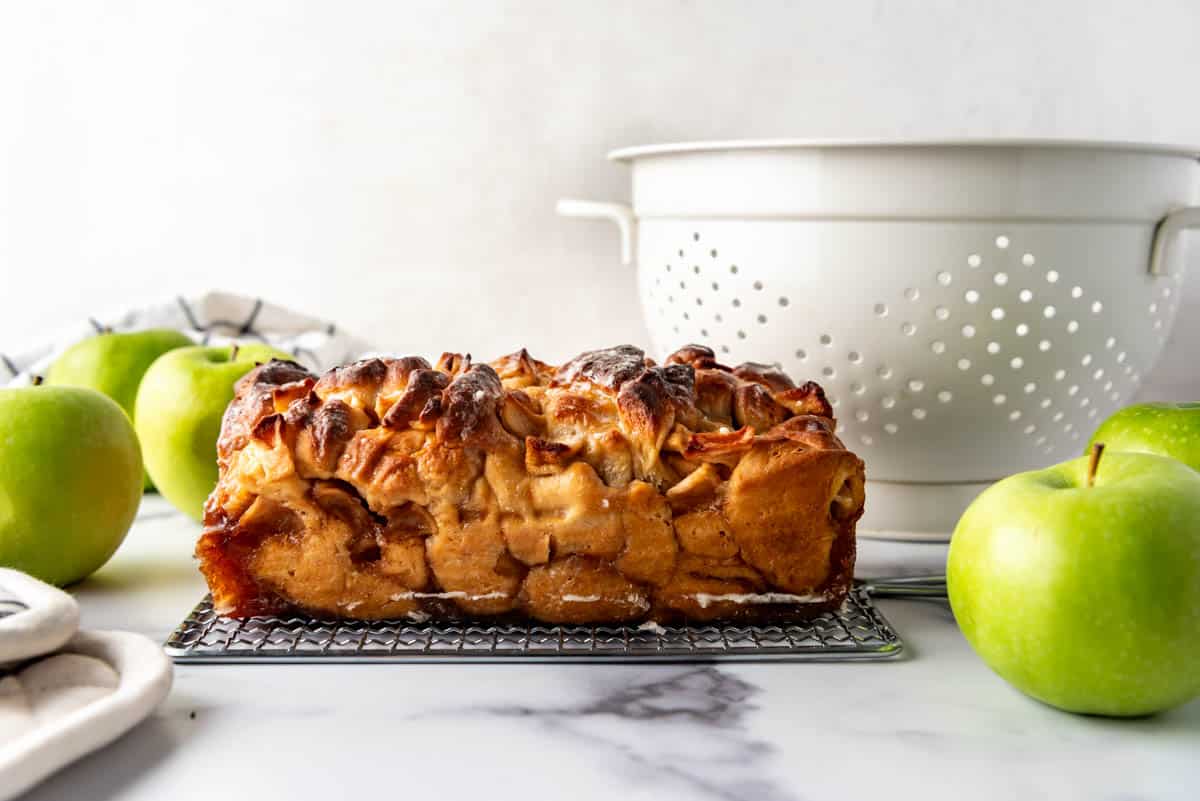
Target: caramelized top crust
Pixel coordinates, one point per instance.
(613, 390)
(609, 368)
(268, 392)
(392, 486)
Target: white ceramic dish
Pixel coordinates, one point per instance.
(973, 308)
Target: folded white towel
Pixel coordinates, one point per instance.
(65, 693)
(35, 618)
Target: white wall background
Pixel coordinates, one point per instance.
(394, 165)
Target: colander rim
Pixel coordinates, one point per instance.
(629, 154)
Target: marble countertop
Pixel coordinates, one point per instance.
(933, 724)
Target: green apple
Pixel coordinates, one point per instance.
(70, 480)
(1168, 429)
(178, 417)
(1086, 595)
(114, 364)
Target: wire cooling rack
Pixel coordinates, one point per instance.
(856, 631)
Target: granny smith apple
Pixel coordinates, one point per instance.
(178, 416)
(1086, 596)
(1168, 429)
(114, 363)
(70, 480)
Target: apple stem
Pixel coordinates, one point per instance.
(36, 380)
(233, 353)
(1094, 462)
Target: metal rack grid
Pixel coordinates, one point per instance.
(857, 631)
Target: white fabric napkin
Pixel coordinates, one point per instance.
(216, 318)
(35, 618)
(65, 693)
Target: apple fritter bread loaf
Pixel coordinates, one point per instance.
(609, 489)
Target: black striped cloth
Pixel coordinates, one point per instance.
(216, 318)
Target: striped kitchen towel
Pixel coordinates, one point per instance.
(215, 318)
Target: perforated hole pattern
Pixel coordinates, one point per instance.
(997, 285)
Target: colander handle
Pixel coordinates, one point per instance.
(619, 213)
(930, 586)
(1165, 233)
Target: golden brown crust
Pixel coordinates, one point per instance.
(609, 489)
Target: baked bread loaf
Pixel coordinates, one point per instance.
(607, 490)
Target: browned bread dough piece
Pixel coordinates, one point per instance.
(609, 489)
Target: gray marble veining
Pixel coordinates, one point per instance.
(701, 706)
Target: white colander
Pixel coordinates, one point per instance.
(973, 309)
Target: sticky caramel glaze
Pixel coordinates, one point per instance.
(610, 489)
